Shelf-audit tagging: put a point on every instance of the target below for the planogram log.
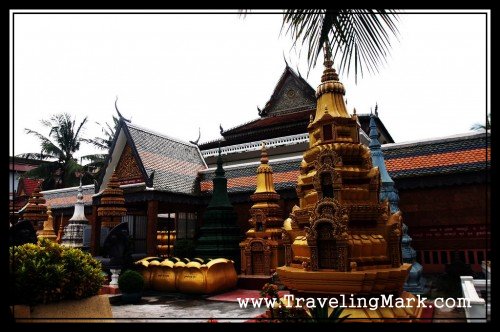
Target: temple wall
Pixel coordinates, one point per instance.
(445, 219)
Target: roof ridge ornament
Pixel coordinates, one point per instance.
(120, 116)
(198, 139)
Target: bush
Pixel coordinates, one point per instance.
(48, 272)
(131, 282)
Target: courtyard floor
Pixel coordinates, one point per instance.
(161, 307)
(156, 307)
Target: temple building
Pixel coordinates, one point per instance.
(167, 183)
(262, 251)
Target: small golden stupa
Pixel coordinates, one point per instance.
(262, 250)
(340, 239)
(48, 227)
(112, 206)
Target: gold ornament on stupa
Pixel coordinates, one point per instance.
(48, 227)
(36, 210)
(340, 239)
(262, 250)
(112, 205)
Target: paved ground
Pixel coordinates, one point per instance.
(157, 307)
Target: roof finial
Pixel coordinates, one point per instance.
(117, 111)
(376, 110)
(371, 110)
(329, 74)
(354, 110)
(221, 129)
(286, 63)
(198, 139)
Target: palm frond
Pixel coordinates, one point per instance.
(360, 37)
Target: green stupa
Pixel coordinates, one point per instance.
(220, 235)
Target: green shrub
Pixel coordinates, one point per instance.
(48, 272)
(131, 281)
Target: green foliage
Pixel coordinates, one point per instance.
(360, 37)
(48, 272)
(62, 142)
(131, 281)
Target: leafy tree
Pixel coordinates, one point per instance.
(58, 148)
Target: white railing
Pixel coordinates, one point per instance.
(480, 309)
(257, 145)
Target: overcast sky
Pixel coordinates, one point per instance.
(174, 73)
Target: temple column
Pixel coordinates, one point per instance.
(95, 236)
(151, 228)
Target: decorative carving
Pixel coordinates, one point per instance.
(327, 157)
(127, 169)
(287, 241)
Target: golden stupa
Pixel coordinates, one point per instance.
(340, 239)
(262, 250)
(48, 227)
(112, 206)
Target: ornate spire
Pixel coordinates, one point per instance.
(329, 74)
(112, 204)
(79, 213)
(219, 172)
(374, 142)
(330, 93)
(48, 227)
(36, 211)
(220, 197)
(73, 232)
(265, 182)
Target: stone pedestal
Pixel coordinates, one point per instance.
(115, 274)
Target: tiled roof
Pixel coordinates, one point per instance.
(463, 153)
(459, 153)
(28, 185)
(65, 198)
(273, 121)
(176, 163)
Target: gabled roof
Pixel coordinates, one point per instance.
(175, 163)
(167, 164)
(292, 93)
(66, 197)
(457, 155)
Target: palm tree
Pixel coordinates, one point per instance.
(487, 126)
(58, 147)
(360, 37)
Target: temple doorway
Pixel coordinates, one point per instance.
(327, 248)
(257, 258)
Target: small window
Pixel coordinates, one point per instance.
(480, 256)
(461, 256)
(444, 257)
(435, 257)
(470, 255)
(327, 132)
(427, 257)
